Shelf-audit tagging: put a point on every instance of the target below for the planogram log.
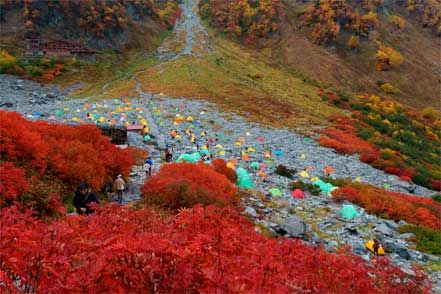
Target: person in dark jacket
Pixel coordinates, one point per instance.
(83, 197)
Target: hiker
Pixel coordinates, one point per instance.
(83, 197)
(119, 185)
(376, 246)
(148, 167)
(168, 156)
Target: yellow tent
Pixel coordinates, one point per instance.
(370, 245)
(219, 146)
(75, 119)
(250, 149)
(189, 119)
(304, 174)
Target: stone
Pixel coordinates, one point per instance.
(391, 224)
(407, 236)
(250, 211)
(395, 247)
(384, 229)
(402, 223)
(294, 226)
(359, 248)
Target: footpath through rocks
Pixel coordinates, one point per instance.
(188, 125)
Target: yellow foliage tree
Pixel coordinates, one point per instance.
(388, 88)
(7, 61)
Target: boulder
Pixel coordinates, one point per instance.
(250, 211)
(395, 247)
(294, 226)
(359, 248)
(384, 229)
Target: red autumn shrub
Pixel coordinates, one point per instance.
(349, 140)
(392, 170)
(59, 157)
(221, 167)
(416, 210)
(12, 183)
(186, 184)
(369, 157)
(435, 184)
(201, 250)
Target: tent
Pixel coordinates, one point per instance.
(298, 194)
(243, 178)
(193, 158)
(370, 245)
(304, 174)
(349, 211)
(278, 153)
(255, 165)
(204, 151)
(275, 192)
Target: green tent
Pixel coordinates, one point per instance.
(59, 112)
(147, 137)
(245, 183)
(318, 183)
(255, 165)
(243, 178)
(275, 192)
(348, 211)
(242, 173)
(193, 158)
(204, 151)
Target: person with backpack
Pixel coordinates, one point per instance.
(119, 185)
(83, 198)
(148, 167)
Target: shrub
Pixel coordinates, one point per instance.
(314, 190)
(427, 240)
(388, 88)
(12, 183)
(221, 167)
(284, 171)
(413, 209)
(57, 158)
(7, 61)
(353, 42)
(184, 184)
(437, 197)
(201, 250)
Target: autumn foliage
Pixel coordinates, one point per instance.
(397, 206)
(41, 161)
(99, 18)
(388, 136)
(328, 18)
(245, 19)
(180, 185)
(201, 250)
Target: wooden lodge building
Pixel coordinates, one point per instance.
(59, 48)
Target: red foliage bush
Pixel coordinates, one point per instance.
(202, 250)
(369, 157)
(57, 154)
(12, 183)
(435, 184)
(397, 206)
(392, 170)
(221, 167)
(186, 184)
